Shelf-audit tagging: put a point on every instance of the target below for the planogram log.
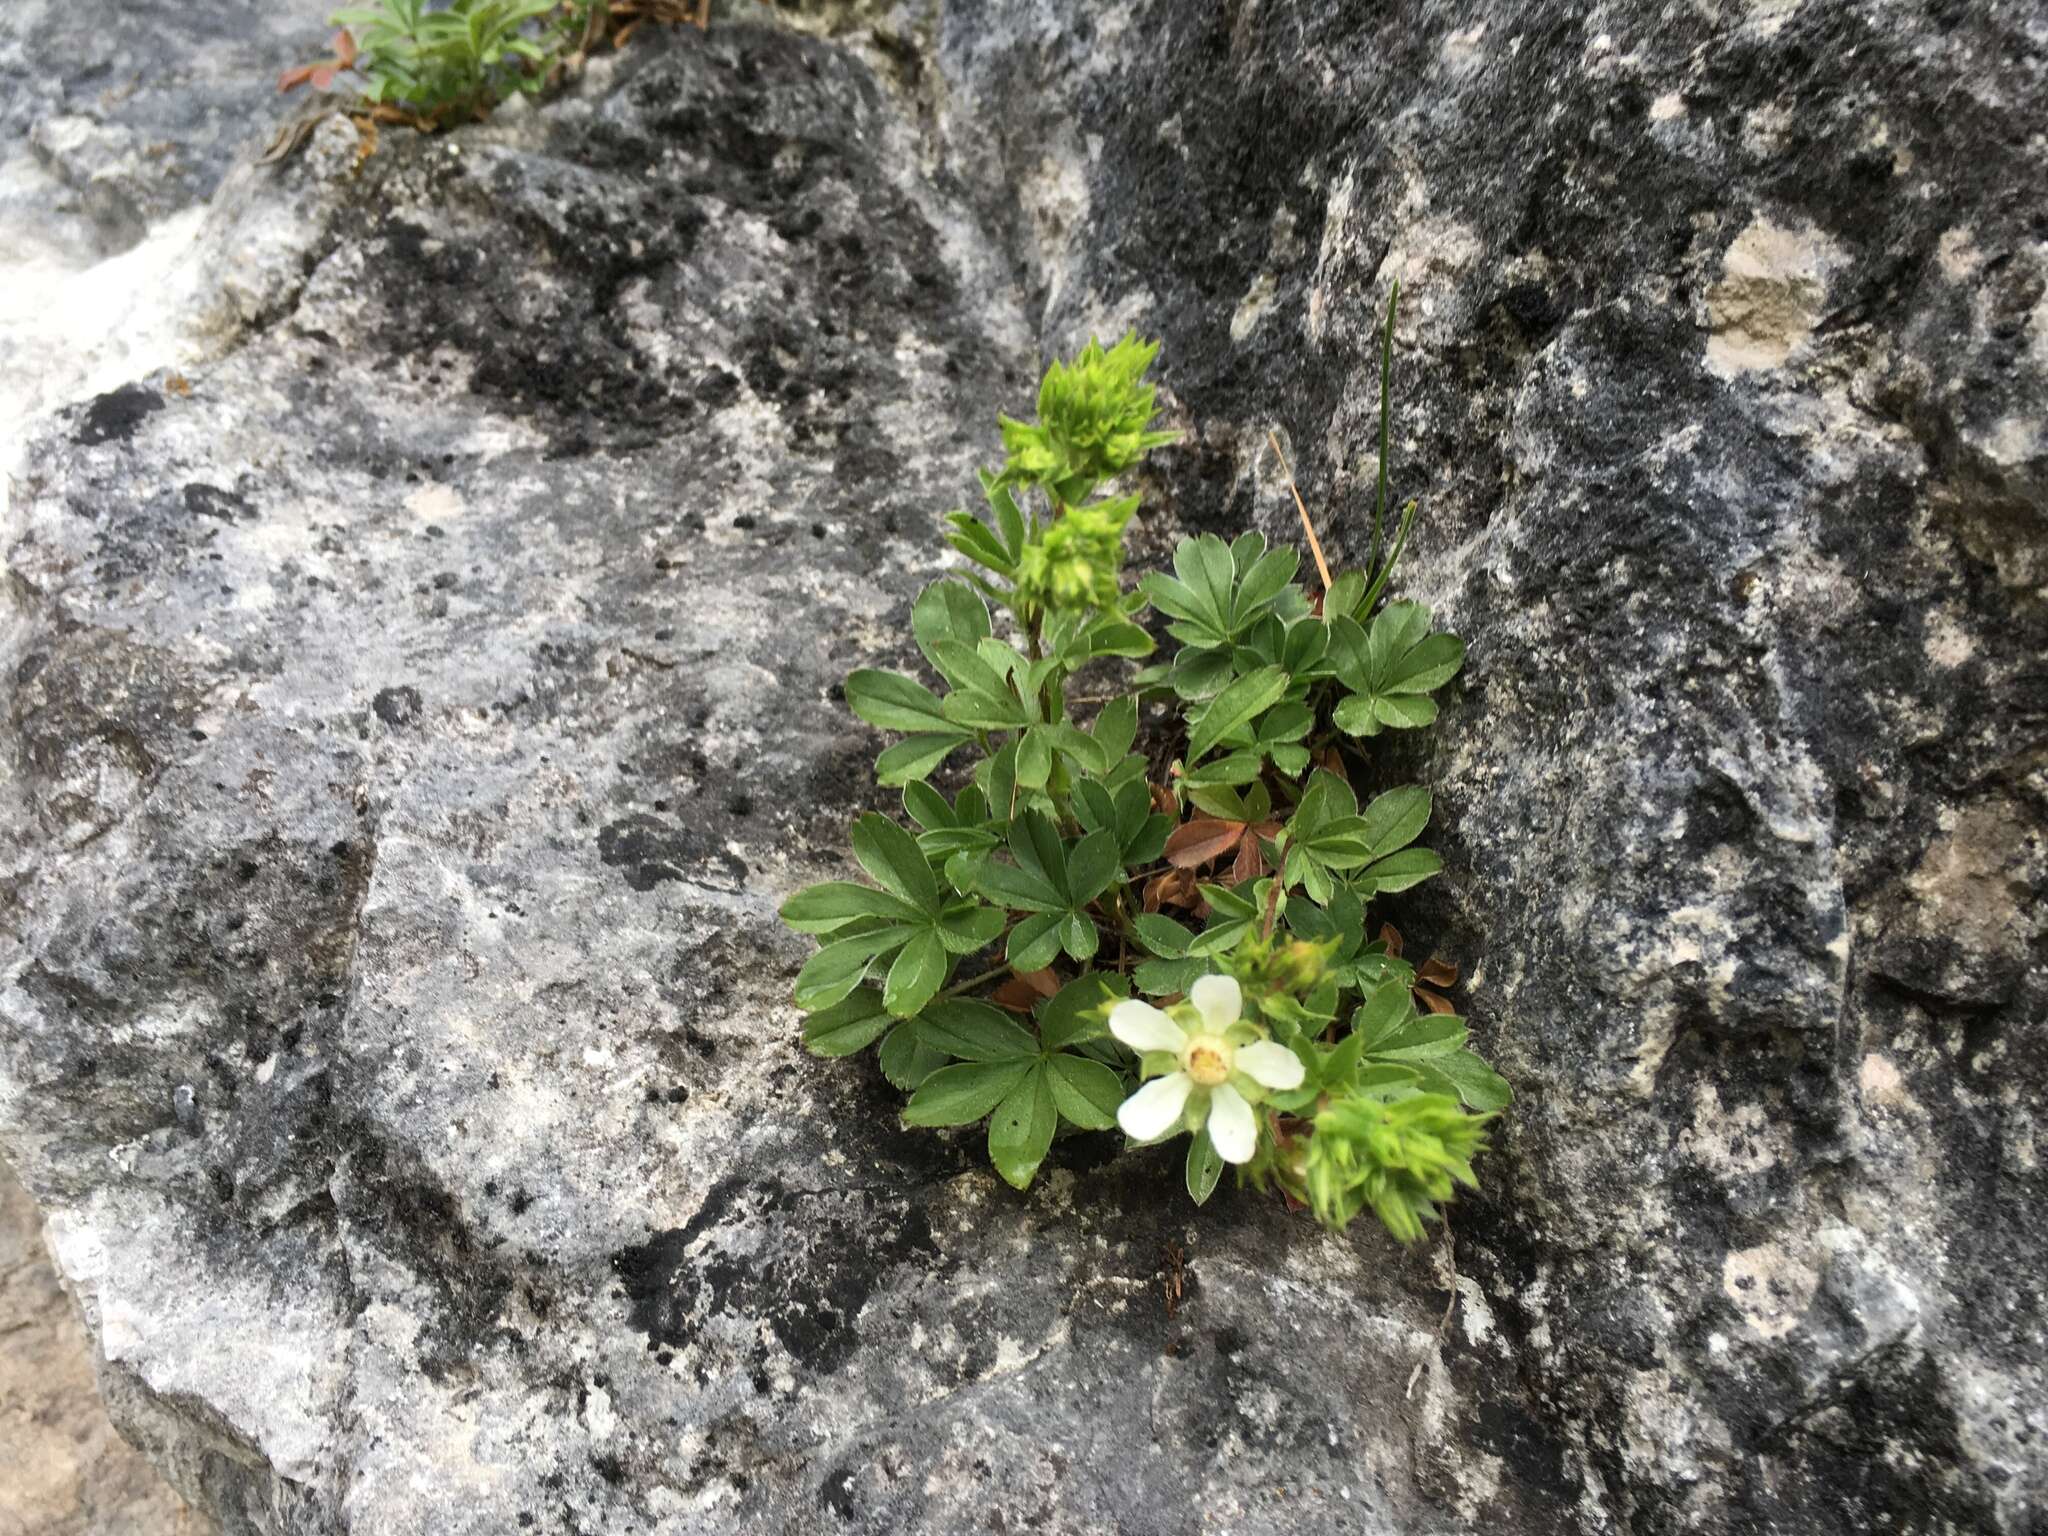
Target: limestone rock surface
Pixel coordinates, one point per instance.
(414, 726)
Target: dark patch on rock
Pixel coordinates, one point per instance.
(114, 416)
(397, 706)
(804, 1262)
(653, 849)
(212, 501)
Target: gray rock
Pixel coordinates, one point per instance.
(416, 725)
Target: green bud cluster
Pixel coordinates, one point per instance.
(1094, 421)
(1076, 561)
(1400, 1156)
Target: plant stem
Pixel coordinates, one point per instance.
(973, 981)
(1400, 543)
(1379, 509)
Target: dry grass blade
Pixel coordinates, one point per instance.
(1315, 546)
(292, 137)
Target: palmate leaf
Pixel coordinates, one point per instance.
(1329, 841)
(906, 933)
(1218, 591)
(1025, 1083)
(1390, 668)
(1427, 1048)
(1055, 884)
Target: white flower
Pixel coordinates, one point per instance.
(1209, 1061)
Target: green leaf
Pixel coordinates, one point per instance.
(1476, 1083)
(918, 973)
(973, 1031)
(897, 703)
(1162, 935)
(1073, 1015)
(948, 611)
(1389, 666)
(1091, 866)
(1204, 1166)
(834, 903)
(1395, 819)
(914, 757)
(1079, 936)
(1399, 871)
(969, 926)
(1116, 728)
(1431, 663)
(1344, 595)
(892, 856)
(1422, 1036)
(1235, 706)
(1085, 1091)
(1034, 758)
(849, 1025)
(962, 1094)
(1035, 942)
(906, 1061)
(1020, 1131)
(839, 967)
(1384, 1011)
(1077, 746)
(1266, 580)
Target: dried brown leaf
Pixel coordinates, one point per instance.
(1202, 840)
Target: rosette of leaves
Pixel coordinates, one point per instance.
(1047, 869)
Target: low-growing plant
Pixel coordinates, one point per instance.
(1180, 950)
(449, 63)
(435, 62)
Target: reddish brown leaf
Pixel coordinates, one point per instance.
(1197, 842)
(292, 79)
(1250, 863)
(1255, 865)
(1391, 937)
(1434, 1002)
(1333, 761)
(1174, 888)
(1163, 801)
(344, 46)
(322, 77)
(1021, 992)
(1437, 972)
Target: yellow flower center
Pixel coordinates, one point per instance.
(1207, 1059)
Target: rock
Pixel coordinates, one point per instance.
(63, 1469)
(394, 1019)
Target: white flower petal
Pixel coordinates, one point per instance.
(1218, 1000)
(1270, 1064)
(1144, 1028)
(1231, 1126)
(1155, 1108)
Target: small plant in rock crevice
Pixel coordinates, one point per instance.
(430, 63)
(1183, 953)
